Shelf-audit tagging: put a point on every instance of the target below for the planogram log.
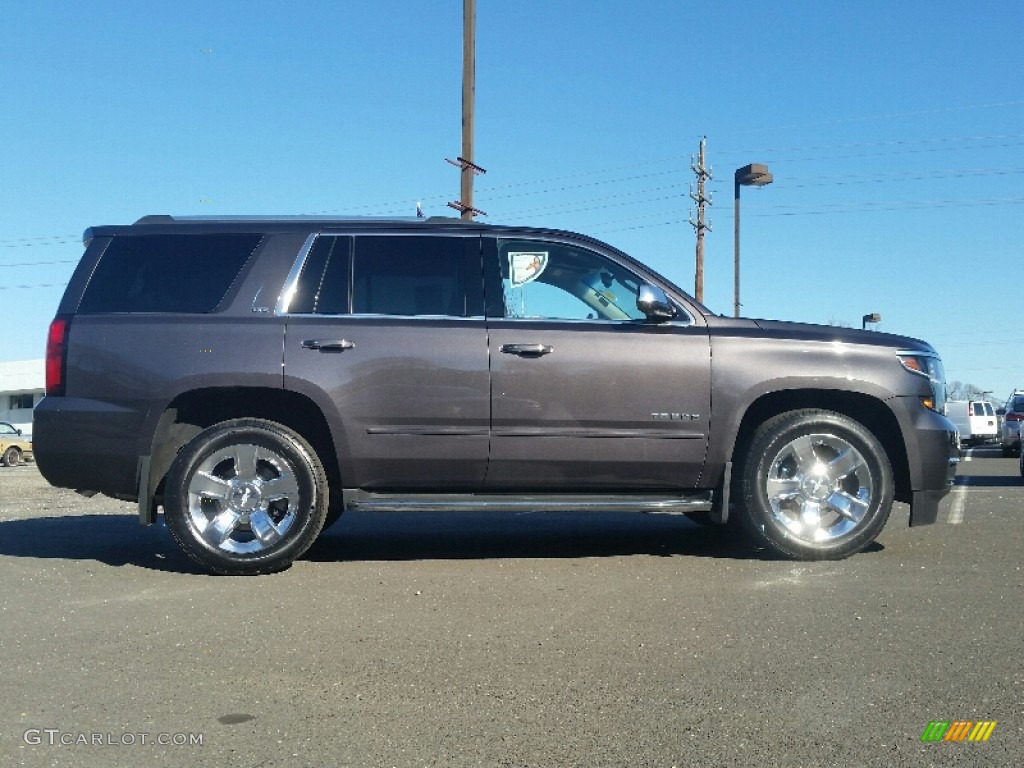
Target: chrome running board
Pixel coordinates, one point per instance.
(488, 502)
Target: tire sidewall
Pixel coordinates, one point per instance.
(310, 479)
(773, 436)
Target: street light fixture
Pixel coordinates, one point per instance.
(874, 317)
(753, 175)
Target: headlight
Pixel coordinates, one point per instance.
(929, 366)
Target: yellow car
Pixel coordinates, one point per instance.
(13, 447)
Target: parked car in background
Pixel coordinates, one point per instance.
(1012, 418)
(975, 421)
(14, 447)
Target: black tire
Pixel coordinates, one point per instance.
(11, 457)
(246, 497)
(814, 485)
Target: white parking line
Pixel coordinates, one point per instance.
(956, 515)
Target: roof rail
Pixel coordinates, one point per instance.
(163, 218)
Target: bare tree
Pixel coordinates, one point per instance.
(959, 390)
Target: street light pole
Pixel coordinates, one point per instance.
(753, 175)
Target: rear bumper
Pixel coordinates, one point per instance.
(87, 445)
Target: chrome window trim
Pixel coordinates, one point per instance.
(638, 323)
(368, 316)
(292, 281)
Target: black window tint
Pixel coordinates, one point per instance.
(323, 285)
(409, 276)
(167, 273)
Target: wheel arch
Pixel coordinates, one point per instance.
(869, 411)
(191, 412)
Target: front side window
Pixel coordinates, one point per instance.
(554, 281)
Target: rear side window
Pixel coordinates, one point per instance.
(410, 276)
(167, 273)
(403, 275)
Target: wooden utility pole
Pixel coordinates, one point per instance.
(465, 161)
(703, 175)
(468, 95)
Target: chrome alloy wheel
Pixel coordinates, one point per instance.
(243, 498)
(819, 488)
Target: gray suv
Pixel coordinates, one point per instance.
(256, 378)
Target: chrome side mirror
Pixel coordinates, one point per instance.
(652, 301)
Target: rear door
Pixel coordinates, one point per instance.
(588, 394)
(386, 333)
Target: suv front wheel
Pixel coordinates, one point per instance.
(814, 485)
(246, 497)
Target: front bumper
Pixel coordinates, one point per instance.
(933, 453)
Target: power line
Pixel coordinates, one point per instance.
(40, 263)
(37, 285)
(940, 144)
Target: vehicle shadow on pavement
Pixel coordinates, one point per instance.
(116, 540)
(119, 540)
(467, 535)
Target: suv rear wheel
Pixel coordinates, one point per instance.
(814, 485)
(246, 497)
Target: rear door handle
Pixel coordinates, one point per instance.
(527, 350)
(328, 345)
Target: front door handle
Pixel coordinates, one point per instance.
(527, 350)
(328, 345)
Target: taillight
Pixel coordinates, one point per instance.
(56, 356)
(1014, 416)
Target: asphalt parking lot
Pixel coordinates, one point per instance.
(510, 640)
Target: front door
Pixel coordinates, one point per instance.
(587, 394)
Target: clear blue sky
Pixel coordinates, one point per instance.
(895, 131)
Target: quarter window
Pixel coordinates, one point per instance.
(167, 273)
(554, 281)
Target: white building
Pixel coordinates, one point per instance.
(22, 384)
